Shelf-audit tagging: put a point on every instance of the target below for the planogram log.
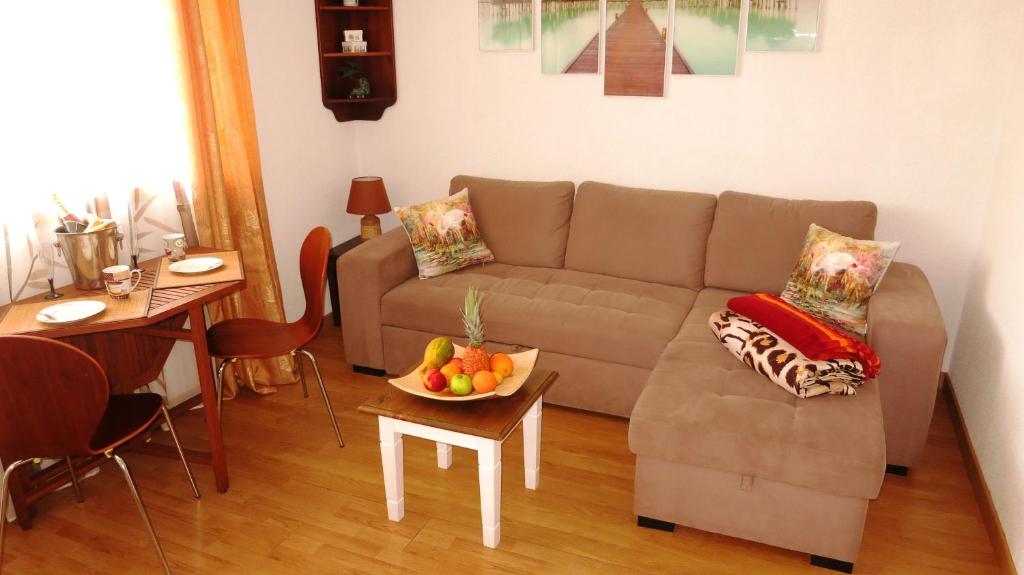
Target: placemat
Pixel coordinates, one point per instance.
(21, 318)
(231, 271)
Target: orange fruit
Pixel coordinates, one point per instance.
(450, 370)
(484, 382)
(501, 363)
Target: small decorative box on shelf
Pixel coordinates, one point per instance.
(357, 76)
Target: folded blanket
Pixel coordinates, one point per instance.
(782, 363)
(812, 337)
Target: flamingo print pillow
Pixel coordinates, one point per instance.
(444, 235)
(836, 275)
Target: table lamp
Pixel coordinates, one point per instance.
(367, 198)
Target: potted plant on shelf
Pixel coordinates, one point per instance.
(354, 72)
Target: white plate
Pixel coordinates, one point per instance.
(70, 312)
(196, 265)
(522, 366)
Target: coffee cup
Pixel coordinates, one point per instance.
(119, 281)
(174, 247)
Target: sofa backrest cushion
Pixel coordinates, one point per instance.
(523, 223)
(756, 240)
(648, 235)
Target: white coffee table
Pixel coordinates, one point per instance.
(478, 425)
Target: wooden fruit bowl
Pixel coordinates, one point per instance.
(522, 365)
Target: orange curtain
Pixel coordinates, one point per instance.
(230, 207)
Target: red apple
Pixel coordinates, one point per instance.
(434, 380)
(456, 361)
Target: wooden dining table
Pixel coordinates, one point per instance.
(133, 353)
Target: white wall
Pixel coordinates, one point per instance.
(308, 158)
(897, 107)
(989, 387)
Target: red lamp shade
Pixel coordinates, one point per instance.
(368, 196)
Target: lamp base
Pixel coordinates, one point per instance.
(369, 227)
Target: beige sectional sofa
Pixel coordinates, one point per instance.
(615, 286)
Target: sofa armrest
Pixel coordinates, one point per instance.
(365, 274)
(906, 330)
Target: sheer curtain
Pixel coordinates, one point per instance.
(92, 105)
(101, 98)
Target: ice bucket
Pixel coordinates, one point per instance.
(87, 253)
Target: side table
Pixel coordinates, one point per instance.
(478, 425)
(332, 275)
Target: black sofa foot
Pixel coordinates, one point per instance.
(900, 470)
(649, 523)
(369, 371)
(833, 564)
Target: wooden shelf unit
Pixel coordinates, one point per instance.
(374, 18)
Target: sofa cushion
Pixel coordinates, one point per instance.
(756, 240)
(702, 407)
(647, 235)
(523, 223)
(835, 277)
(444, 235)
(575, 313)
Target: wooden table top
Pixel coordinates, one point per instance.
(489, 418)
(164, 303)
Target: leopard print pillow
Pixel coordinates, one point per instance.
(780, 362)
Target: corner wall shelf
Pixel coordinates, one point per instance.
(374, 18)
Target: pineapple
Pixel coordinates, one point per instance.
(476, 358)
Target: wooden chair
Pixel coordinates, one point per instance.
(55, 402)
(236, 339)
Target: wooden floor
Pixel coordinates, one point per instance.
(299, 504)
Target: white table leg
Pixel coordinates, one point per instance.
(391, 456)
(531, 444)
(489, 459)
(444, 455)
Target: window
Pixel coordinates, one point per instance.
(92, 104)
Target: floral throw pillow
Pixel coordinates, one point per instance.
(444, 235)
(836, 275)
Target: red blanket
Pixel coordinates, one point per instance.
(815, 339)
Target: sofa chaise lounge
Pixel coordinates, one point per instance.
(615, 285)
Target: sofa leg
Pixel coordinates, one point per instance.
(369, 371)
(649, 523)
(901, 470)
(833, 564)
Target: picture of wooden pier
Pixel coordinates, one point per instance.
(707, 34)
(636, 48)
(570, 36)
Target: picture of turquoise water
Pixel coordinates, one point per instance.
(506, 24)
(707, 35)
(782, 25)
(568, 27)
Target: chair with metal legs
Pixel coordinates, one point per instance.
(236, 339)
(55, 402)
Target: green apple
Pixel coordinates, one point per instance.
(461, 384)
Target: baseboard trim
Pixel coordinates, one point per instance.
(989, 515)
